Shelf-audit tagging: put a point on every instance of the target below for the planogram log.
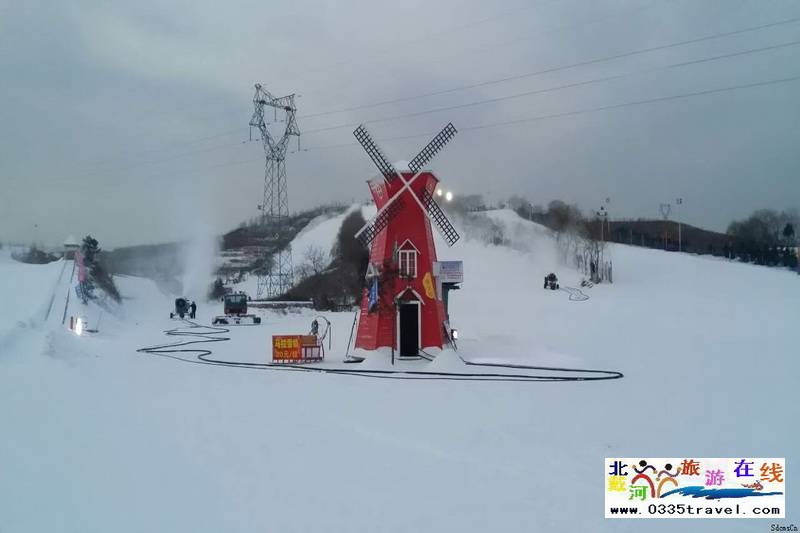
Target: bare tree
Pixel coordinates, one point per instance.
(315, 260)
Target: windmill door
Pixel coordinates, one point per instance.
(409, 328)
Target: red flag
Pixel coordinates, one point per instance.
(81, 267)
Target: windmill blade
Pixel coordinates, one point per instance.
(379, 223)
(426, 154)
(443, 224)
(374, 152)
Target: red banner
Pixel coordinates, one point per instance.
(81, 267)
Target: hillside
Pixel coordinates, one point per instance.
(241, 250)
(98, 432)
(663, 234)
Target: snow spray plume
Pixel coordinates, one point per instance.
(200, 251)
(200, 265)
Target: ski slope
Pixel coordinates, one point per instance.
(31, 298)
(319, 235)
(99, 437)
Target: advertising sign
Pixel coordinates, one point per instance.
(451, 271)
(295, 349)
(286, 349)
(695, 487)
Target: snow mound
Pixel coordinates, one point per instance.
(28, 292)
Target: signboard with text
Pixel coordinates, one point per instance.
(451, 271)
(296, 349)
(286, 349)
(695, 487)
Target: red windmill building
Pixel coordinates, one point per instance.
(403, 308)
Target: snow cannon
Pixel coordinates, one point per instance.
(181, 308)
(235, 312)
(551, 281)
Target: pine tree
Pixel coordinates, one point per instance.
(788, 232)
(97, 276)
(89, 249)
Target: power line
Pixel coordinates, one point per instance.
(539, 117)
(490, 100)
(635, 103)
(501, 80)
(557, 69)
(184, 154)
(227, 133)
(581, 111)
(556, 88)
(528, 35)
(415, 40)
(406, 41)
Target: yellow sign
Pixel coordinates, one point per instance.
(295, 349)
(286, 348)
(427, 283)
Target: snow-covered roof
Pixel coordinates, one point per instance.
(71, 241)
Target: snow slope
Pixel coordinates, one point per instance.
(99, 438)
(28, 296)
(319, 234)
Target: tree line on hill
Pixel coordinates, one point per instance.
(766, 237)
(34, 255)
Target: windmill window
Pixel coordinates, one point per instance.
(408, 263)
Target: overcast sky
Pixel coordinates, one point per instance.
(129, 120)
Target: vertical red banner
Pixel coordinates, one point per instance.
(81, 266)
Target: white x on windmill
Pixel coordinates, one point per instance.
(410, 315)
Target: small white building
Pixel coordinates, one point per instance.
(71, 246)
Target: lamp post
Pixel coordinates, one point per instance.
(679, 201)
(602, 216)
(665, 209)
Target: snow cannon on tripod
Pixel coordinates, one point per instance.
(181, 308)
(235, 312)
(551, 281)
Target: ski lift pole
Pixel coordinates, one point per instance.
(352, 329)
(328, 330)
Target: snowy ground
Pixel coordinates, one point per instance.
(100, 438)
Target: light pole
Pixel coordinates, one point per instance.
(608, 218)
(679, 201)
(602, 216)
(665, 209)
